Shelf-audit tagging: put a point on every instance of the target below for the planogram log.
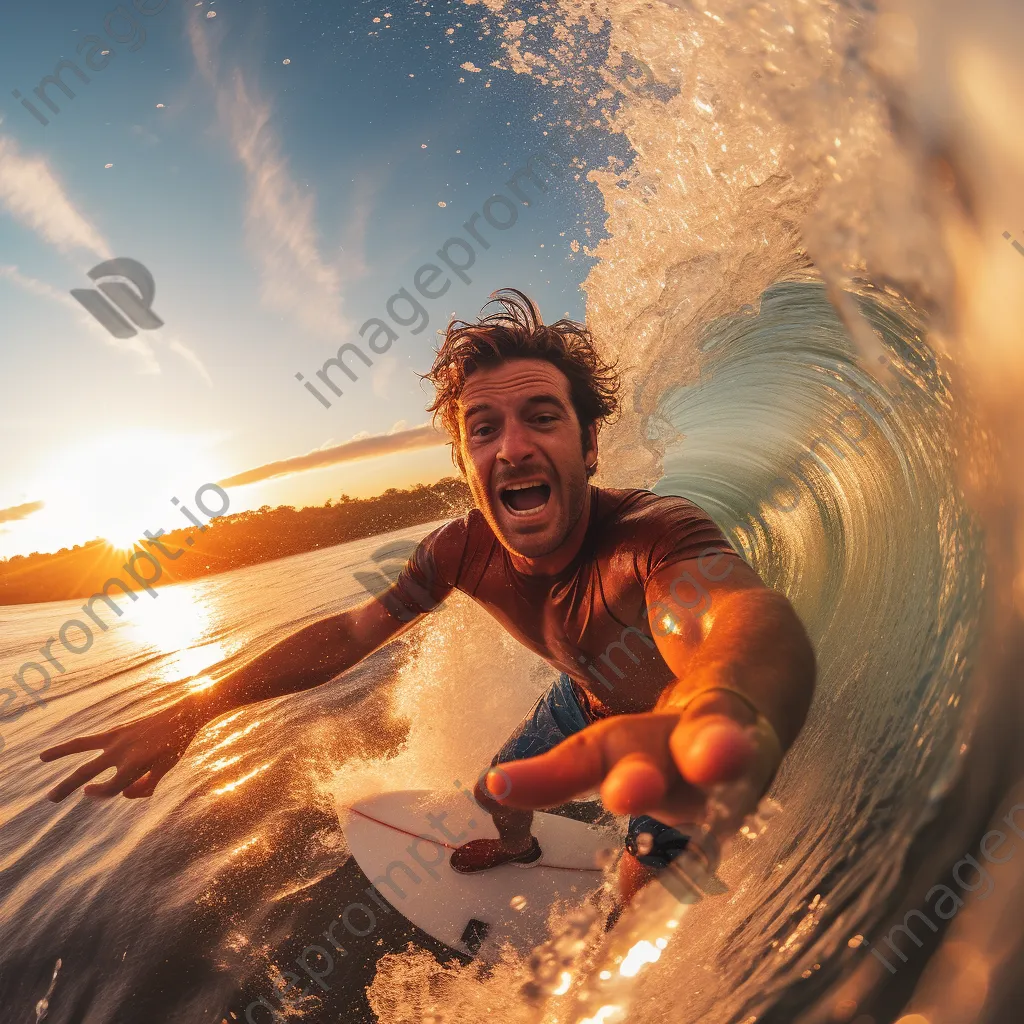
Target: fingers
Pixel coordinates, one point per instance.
(76, 746)
(655, 764)
(573, 767)
(123, 777)
(144, 787)
(135, 780)
(581, 763)
(634, 784)
(88, 771)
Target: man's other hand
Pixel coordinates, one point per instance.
(143, 752)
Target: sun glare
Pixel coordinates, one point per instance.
(119, 486)
(181, 625)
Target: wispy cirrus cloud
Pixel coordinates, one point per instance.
(281, 224)
(368, 447)
(17, 512)
(32, 193)
(190, 357)
(37, 287)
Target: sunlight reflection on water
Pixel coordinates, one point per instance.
(177, 624)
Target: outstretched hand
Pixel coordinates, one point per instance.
(662, 763)
(143, 752)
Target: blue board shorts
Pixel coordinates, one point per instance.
(555, 717)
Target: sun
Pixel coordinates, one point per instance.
(120, 485)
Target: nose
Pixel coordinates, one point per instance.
(517, 447)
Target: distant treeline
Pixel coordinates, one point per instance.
(233, 541)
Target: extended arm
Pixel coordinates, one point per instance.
(144, 751)
(744, 676)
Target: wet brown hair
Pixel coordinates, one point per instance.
(518, 332)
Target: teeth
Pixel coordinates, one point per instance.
(523, 487)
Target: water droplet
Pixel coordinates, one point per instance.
(442, 205)
(211, 14)
(518, 903)
(287, 60)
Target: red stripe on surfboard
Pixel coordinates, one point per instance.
(438, 842)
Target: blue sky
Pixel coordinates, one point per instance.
(278, 206)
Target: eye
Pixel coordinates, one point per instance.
(481, 430)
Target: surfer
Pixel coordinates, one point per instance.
(679, 669)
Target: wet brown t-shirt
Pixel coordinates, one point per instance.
(590, 620)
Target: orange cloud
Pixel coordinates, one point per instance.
(424, 436)
(10, 515)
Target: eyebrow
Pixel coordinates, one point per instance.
(479, 407)
(548, 399)
(544, 399)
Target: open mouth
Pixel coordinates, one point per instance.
(525, 499)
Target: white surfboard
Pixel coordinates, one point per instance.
(399, 841)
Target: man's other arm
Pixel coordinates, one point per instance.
(143, 751)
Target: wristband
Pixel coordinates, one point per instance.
(761, 723)
(717, 689)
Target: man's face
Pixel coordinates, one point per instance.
(522, 452)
